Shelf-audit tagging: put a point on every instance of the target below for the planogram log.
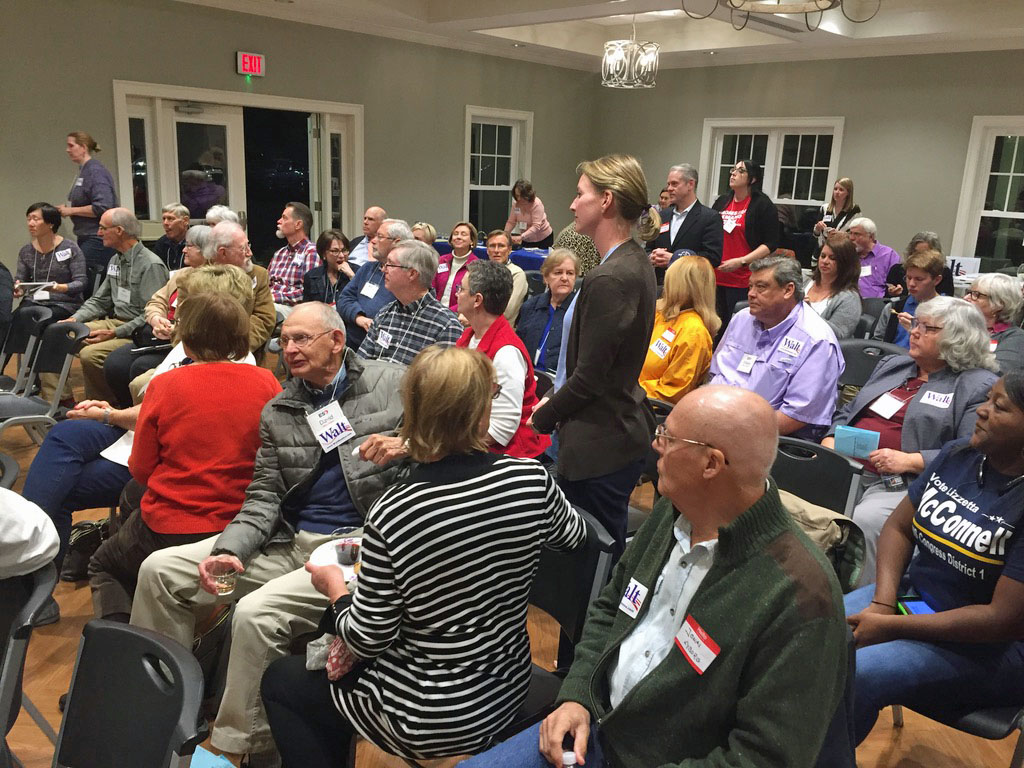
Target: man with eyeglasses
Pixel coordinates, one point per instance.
(291, 263)
(365, 294)
(415, 319)
(924, 273)
(720, 639)
(875, 259)
(308, 485)
(117, 308)
(783, 350)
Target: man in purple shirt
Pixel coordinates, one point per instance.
(875, 259)
(291, 263)
(782, 350)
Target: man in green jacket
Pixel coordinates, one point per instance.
(720, 640)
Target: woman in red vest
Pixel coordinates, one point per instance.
(482, 298)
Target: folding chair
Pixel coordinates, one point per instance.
(817, 474)
(861, 357)
(26, 328)
(9, 470)
(535, 282)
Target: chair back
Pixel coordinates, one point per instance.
(567, 582)
(838, 749)
(535, 282)
(26, 327)
(865, 326)
(9, 470)
(739, 306)
(21, 598)
(861, 356)
(59, 345)
(135, 700)
(545, 382)
(817, 474)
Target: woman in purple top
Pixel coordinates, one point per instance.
(49, 258)
(91, 194)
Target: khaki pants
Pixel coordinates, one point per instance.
(276, 603)
(94, 355)
(136, 385)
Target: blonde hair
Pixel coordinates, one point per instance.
(555, 258)
(428, 229)
(218, 278)
(846, 184)
(446, 394)
(690, 284)
(624, 178)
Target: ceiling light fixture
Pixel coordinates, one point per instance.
(806, 7)
(629, 64)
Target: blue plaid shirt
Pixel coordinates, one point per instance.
(399, 332)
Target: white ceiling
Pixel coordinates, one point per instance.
(571, 33)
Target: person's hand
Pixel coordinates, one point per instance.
(18, 290)
(67, 320)
(328, 580)
(893, 290)
(65, 210)
(829, 442)
(382, 450)
(516, 240)
(819, 227)
(660, 257)
(871, 627)
(94, 410)
(891, 462)
(206, 580)
(364, 322)
(345, 268)
(904, 319)
(540, 404)
(731, 265)
(100, 334)
(59, 288)
(161, 326)
(571, 718)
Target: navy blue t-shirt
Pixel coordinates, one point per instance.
(966, 532)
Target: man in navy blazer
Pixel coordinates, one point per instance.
(686, 224)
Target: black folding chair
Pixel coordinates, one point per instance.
(135, 700)
(21, 598)
(26, 327)
(817, 474)
(545, 382)
(535, 282)
(861, 357)
(994, 724)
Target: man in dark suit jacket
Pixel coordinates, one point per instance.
(686, 224)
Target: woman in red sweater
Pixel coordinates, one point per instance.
(195, 444)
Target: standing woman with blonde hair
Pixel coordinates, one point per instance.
(840, 211)
(679, 356)
(604, 428)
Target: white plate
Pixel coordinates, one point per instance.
(326, 554)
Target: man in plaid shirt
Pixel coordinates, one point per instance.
(293, 261)
(415, 319)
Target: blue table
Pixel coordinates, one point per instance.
(524, 258)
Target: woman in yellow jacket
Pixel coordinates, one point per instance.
(685, 322)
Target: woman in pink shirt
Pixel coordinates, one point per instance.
(527, 216)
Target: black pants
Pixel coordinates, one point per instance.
(307, 727)
(606, 497)
(725, 300)
(547, 242)
(123, 365)
(97, 256)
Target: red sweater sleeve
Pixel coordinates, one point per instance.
(145, 447)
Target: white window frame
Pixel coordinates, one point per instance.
(522, 144)
(984, 129)
(776, 128)
(350, 116)
(138, 110)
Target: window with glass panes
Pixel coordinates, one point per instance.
(1001, 226)
(491, 160)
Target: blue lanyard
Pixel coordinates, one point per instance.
(538, 358)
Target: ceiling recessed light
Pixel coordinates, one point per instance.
(518, 45)
(710, 53)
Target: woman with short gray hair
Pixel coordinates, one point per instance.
(998, 298)
(915, 404)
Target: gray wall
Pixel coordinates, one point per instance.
(414, 98)
(908, 122)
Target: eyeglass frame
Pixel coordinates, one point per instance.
(388, 265)
(661, 434)
(307, 339)
(976, 294)
(925, 328)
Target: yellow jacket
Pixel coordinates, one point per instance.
(678, 358)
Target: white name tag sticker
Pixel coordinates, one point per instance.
(369, 290)
(124, 295)
(113, 270)
(697, 646)
(330, 427)
(665, 227)
(41, 295)
(633, 598)
(938, 399)
(63, 255)
(865, 271)
(384, 339)
(254, 282)
(79, 181)
(660, 348)
(791, 346)
(669, 335)
(747, 364)
(442, 267)
(886, 405)
(827, 218)
(992, 345)
(728, 225)
(299, 258)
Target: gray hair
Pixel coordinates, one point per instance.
(864, 223)
(491, 280)
(964, 343)
(784, 270)
(201, 236)
(688, 172)
(327, 315)
(177, 209)
(215, 214)
(398, 229)
(417, 255)
(221, 236)
(931, 238)
(125, 219)
(1003, 293)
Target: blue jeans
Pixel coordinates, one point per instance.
(523, 751)
(929, 677)
(69, 474)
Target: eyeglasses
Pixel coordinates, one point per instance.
(102, 228)
(496, 391)
(391, 265)
(300, 340)
(916, 324)
(661, 435)
(972, 294)
(336, 251)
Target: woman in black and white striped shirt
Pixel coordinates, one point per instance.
(437, 626)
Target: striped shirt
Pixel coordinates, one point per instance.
(287, 268)
(400, 331)
(448, 558)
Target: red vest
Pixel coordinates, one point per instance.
(525, 443)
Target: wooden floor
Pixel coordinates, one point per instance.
(921, 743)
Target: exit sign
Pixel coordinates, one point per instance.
(252, 64)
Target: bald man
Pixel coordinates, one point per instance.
(360, 246)
(720, 638)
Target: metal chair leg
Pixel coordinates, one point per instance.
(41, 721)
(897, 716)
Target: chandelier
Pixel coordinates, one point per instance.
(629, 64)
(806, 7)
